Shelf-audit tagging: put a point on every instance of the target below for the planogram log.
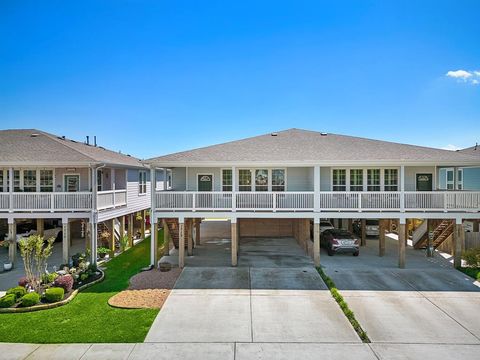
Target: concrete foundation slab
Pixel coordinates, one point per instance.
(286, 279)
(211, 278)
(266, 351)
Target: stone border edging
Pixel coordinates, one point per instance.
(53, 305)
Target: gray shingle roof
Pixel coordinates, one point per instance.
(474, 150)
(296, 145)
(31, 146)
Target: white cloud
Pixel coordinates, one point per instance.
(451, 147)
(459, 74)
(471, 77)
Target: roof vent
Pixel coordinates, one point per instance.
(274, 134)
(34, 135)
(323, 134)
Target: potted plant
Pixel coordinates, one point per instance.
(102, 251)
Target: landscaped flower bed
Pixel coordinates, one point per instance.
(40, 289)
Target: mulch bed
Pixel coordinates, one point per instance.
(148, 289)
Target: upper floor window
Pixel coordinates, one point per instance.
(16, 181)
(227, 180)
(460, 179)
(373, 180)
(46, 180)
(391, 179)
(261, 180)
(356, 179)
(244, 180)
(99, 180)
(3, 180)
(339, 180)
(29, 180)
(142, 182)
(278, 180)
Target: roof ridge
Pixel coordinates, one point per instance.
(57, 139)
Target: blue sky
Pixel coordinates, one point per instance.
(154, 77)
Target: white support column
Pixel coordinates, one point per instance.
(65, 240)
(165, 179)
(234, 245)
(316, 188)
(316, 241)
(234, 189)
(12, 236)
(153, 219)
(113, 186)
(402, 188)
(181, 243)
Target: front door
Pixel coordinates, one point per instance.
(72, 183)
(424, 182)
(205, 182)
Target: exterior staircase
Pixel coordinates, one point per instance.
(443, 230)
(173, 230)
(104, 226)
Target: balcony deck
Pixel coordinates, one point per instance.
(384, 201)
(61, 201)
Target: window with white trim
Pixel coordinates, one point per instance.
(29, 180)
(46, 180)
(99, 180)
(278, 180)
(227, 180)
(142, 182)
(391, 179)
(244, 180)
(356, 179)
(261, 180)
(339, 180)
(3, 181)
(373, 179)
(460, 179)
(16, 181)
(450, 179)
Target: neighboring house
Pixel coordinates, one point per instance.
(283, 180)
(82, 188)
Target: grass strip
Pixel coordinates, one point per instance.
(470, 271)
(362, 334)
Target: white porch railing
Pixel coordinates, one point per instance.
(111, 199)
(328, 201)
(43, 201)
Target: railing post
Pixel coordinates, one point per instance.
(360, 201)
(234, 189)
(10, 171)
(445, 200)
(52, 202)
(194, 200)
(274, 203)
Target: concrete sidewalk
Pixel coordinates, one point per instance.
(239, 351)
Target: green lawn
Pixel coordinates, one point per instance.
(88, 318)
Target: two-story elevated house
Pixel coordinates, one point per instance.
(277, 184)
(51, 182)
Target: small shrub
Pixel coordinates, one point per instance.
(84, 276)
(8, 301)
(23, 281)
(54, 294)
(65, 282)
(49, 278)
(17, 291)
(472, 257)
(30, 299)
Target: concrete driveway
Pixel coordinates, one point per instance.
(285, 305)
(429, 302)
